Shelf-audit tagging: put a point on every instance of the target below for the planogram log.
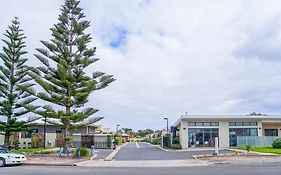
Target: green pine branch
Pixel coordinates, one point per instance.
(62, 74)
(15, 83)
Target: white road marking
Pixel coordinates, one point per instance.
(137, 145)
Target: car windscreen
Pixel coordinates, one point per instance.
(3, 150)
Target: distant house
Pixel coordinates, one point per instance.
(54, 134)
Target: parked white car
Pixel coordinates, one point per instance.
(9, 158)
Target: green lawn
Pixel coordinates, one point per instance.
(32, 150)
(265, 150)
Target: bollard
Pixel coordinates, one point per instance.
(92, 150)
(67, 152)
(79, 152)
(216, 145)
(60, 151)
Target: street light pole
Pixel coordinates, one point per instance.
(167, 129)
(167, 124)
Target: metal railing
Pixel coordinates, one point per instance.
(256, 141)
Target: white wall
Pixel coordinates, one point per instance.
(25, 142)
(51, 139)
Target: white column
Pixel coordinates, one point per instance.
(260, 133)
(223, 134)
(184, 134)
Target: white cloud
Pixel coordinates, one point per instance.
(176, 57)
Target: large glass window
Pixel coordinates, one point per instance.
(253, 124)
(271, 132)
(203, 123)
(243, 123)
(239, 123)
(202, 137)
(234, 132)
(191, 124)
(214, 123)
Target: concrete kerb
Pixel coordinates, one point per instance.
(110, 157)
(150, 163)
(49, 164)
(209, 155)
(254, 152)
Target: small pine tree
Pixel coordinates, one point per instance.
(15, 86)
(62, 75)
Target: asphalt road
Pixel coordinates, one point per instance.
(102, 153)
(144, 151)
(270, 169)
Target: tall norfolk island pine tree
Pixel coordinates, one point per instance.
(62, 75)
(15, 86)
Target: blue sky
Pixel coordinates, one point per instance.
(195, 57)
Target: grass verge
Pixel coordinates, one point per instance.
(31, 150)
(264, 150)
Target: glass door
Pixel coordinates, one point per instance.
(271, 132)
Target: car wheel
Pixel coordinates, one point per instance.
(2, 162)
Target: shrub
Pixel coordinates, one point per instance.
(148, 140)
(109, 141)
(84, 152)
(277, 143)
(119, 140)
(248, 147)
(176, 140)
(155, 141)
(176, 146)
(167, 140)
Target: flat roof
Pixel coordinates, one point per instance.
(261, 117)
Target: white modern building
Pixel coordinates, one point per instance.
(201, 130)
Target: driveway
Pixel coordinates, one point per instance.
(144, 151)
(102, 153)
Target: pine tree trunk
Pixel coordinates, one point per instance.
(7, 140)
(67, 135)
(67, 129)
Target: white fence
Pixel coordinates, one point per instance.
(256, 141)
